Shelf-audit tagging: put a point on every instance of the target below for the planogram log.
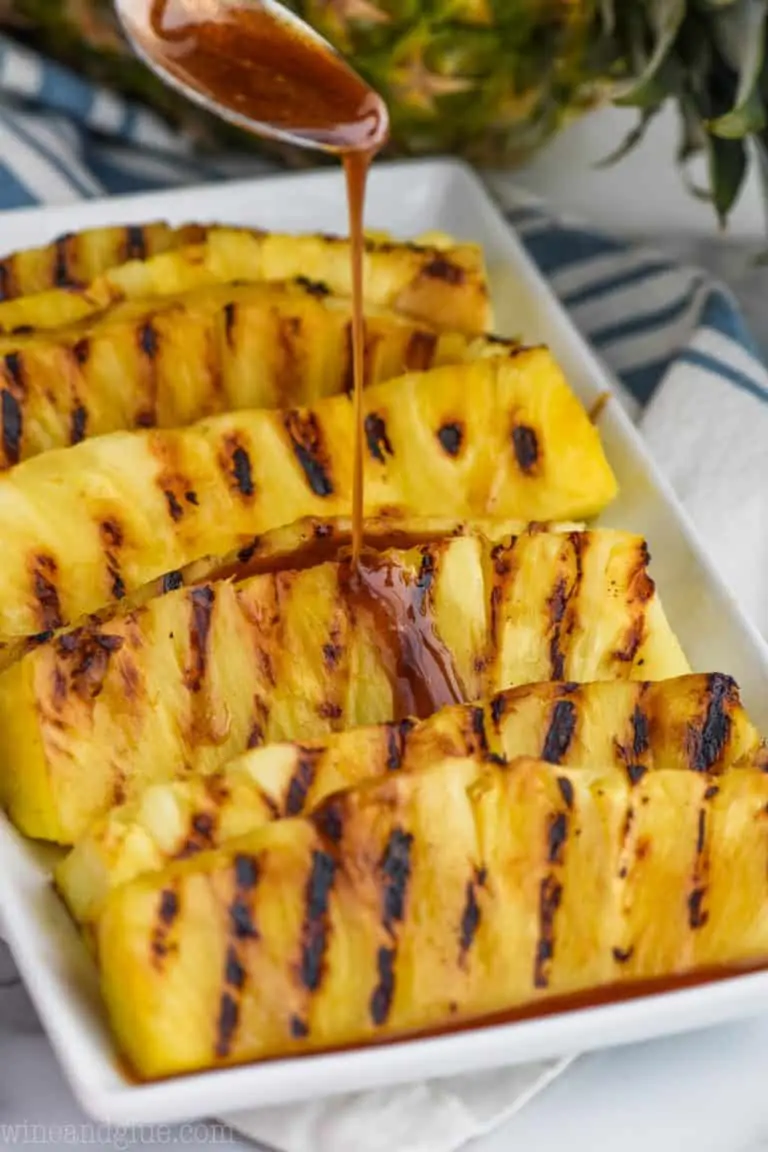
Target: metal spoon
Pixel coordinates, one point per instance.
(134, 16)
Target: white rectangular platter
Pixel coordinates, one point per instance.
(405, 199)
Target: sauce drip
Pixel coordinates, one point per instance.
(257, 65)
(419, 666)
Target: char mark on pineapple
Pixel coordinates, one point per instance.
(557, 605)
(332, 654)
(316, 920)
(562, 726)
(201, 601)
(550, 897)
(526, 447)
(135, 243)
(88, 653)
(328, 819)
(175, 510)
(62, 252)
(13, 425)
(566, 791)
(301, 780)
(376, 437)
(45, 574)
(234, 973)
(623, 955)
(314, 287)
(471, 916)
(167, 911)
(498, 708)
(707, 742)
(246, 876)
(149, 340)
(479, 734)
(230, 322)
(78, 424)
(226, 1026)
(201, 835)
(395, 871)
(641, 735)
(7, 290)
(697, 913)
(397, 739)
(81, 351)
(383, 993)
(450, 437)
(557, 836)
(307, 441)
(440, 268)
(111, 535)
(171, 582)
(241, 468)
(298, 1028)
(632, 641)
(641, 742)
(420, 350)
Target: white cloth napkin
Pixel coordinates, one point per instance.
(432, 1116)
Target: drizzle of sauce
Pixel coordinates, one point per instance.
(419, 666)
(253, 63)
(256, 64)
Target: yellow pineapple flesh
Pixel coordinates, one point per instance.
(172, 361)
(71, 261)
(195, 677)
(502, 436)
(693, 722)
(440, 285)
(359, 923)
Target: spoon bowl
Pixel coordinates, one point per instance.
(164, 56)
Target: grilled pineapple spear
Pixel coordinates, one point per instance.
(694, 722)
(502, 436)
(360, 923)
(195, 677)
(74, 259)
(176, 359)
(445, 286)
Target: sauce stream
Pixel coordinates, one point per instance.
(418, 664)
(256, 64)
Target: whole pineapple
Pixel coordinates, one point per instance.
(491, 79)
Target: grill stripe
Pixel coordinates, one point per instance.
(707, 744)
(315, 929)
(562, 726)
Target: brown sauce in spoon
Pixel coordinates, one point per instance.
(256, 64)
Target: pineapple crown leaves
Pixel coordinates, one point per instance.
(708, 55)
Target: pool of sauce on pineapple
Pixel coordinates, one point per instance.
(243, 57)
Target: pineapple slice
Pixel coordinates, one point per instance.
(298, 544)
(196, 676)
(359, 923)
(691, 722)
(72, 260)
(443, 286)
(503, 436)
(173, 360)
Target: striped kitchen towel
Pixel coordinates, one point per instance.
(689, 372)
